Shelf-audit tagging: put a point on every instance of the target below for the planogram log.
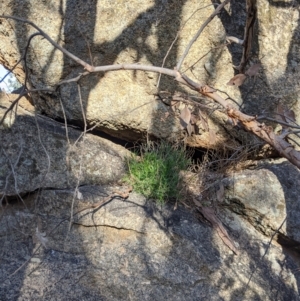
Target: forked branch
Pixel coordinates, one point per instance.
(194, 39)
(249, 123)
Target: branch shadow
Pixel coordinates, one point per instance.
(107, 53)
(261, 96)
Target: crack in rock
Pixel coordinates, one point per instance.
(109, 226)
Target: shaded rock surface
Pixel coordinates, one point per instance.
(58, 242)
(123, 103)
(132, 250)
(36, 152)
(268, 198)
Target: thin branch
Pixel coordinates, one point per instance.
(95, 206)
(13, 173)
(250, 123)
(23, 92)
(83, 115)
(86, 66)
(289, 138)
(267, 249)
(164, 60)
(106, 68)
(295, 132)
(194, 39)
(175, 39)
(11, 107)
(65, 117)
(262, 131)
(75, 79)
(204, 55)
(279, 122)
(76, 193)
(88, 45)
(249, 33)
(170, 72)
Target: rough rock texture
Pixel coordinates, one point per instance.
(266, 197)
(269, 200)
(123, 103)
(35, 153)
(132, 250)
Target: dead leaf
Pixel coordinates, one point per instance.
(290, 116)
(194, 119)
(226, 239)
(173, 105)
(197, 203)
(204, 123)
(237, 80)
(190, 129)
(285, 115)
(185, 117)
(280, 109)
(253, 70)
(210, 215)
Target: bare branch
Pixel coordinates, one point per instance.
(11, 107)
(249, 33)
(194, 39)
(175, 39)
(83, 115)
(75, 79)
(65, 117)
(262, 131)
(164, 60)
(23, 92)
(106, 68)
(249, 123)
(204, 55)
(278, 121)
(86, 66)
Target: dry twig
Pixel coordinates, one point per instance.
(249, 123)
(210, 18)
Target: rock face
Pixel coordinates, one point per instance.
(100, 242)
(131, 249)
(269, 199)
(37, 153)
(70, 230)
(123, 103)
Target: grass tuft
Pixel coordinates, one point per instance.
(155, 174)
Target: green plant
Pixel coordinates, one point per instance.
(155, 173)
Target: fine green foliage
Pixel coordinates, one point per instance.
(155, 174)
